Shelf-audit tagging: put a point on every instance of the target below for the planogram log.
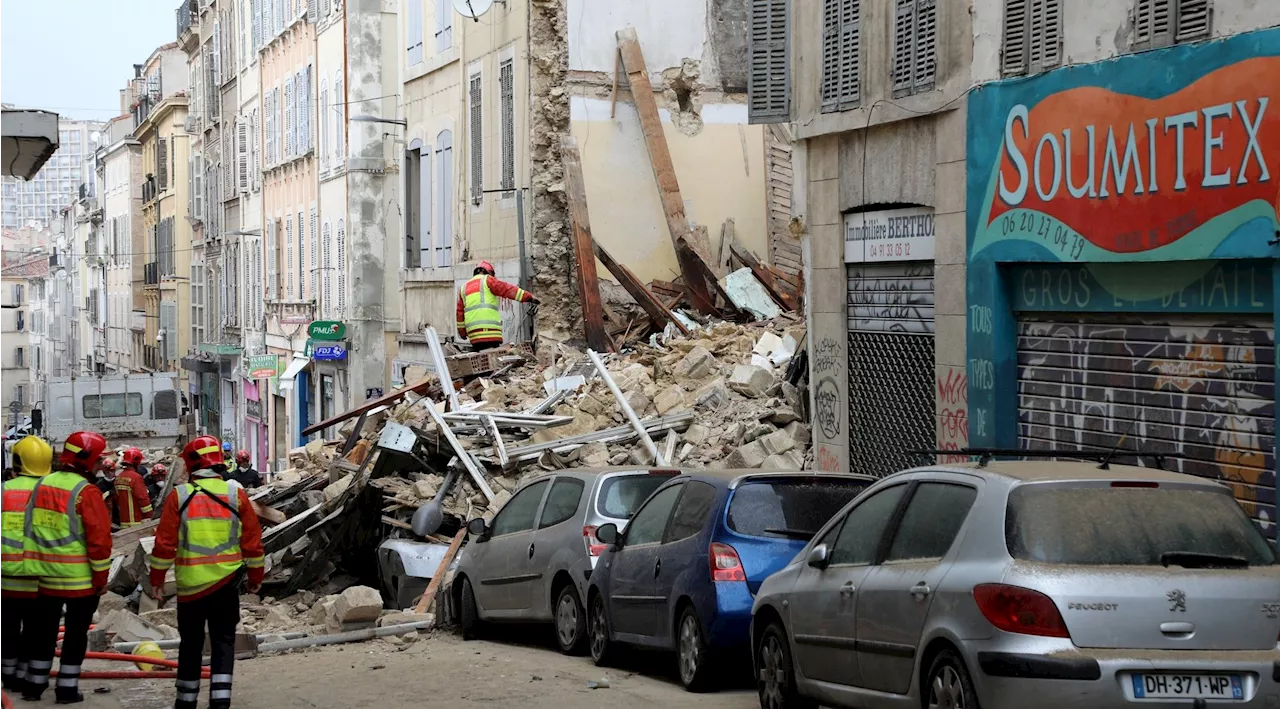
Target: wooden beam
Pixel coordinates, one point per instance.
(269, 514)
(728, 234)
(430, 594)
(660, 160)
(654, 307)
(617, 69)
(765, 276)
(588, 283)
(421, 387)
(709, 275)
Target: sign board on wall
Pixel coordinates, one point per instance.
(329, 353)
(253, 409)
(905, 234)
(330, 330)
(264, 366)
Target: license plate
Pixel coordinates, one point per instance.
(1187, 686)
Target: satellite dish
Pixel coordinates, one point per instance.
(472, 9)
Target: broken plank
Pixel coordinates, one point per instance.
(396, 523)
(696, 262)
(645, 299)
(584, 255)
(268, 514)
(436, 579)
(421, 387)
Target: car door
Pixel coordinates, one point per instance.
(894, 600)
(503, 569)
(824, 600)
(554, 536)
(631, 574)
(683, 550)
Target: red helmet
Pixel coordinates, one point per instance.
(242, 457)
(82, 451)
(486, 267)
(159, 471)
(202, 452)
(108, 464)
(131, 457)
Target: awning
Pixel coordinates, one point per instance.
(30, 138)
(291, 372)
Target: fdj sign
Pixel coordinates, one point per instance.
(330, 330)
(329, 353)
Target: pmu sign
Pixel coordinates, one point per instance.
(330, 330)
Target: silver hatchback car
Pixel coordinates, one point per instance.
(1026, 585)
(533, 562)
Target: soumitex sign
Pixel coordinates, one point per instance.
(264, 366)
(330, 330)
(905, 234)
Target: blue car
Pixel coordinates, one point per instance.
(683, 574)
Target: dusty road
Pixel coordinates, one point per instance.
(436, 671)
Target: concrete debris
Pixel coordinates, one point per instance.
(750, 380)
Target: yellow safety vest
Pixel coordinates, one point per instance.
(14, 497)
(55, 549)
(208, 535)
(481, 317)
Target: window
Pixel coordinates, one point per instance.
(19, 357)
(242, 154)
(21, 321)
(290, 118)
(769, 61)
(620, 495)
(162, 164)
(197, 304)
(915, 46)
(413, 31)
(444, 25)
(841, 54)
(340, 113)
(255, 20)
(327, 267)
(475, 113)
(859, 536)
(520, 511)
(651, 521)
(562, 502)
(20, 394)
(1032, 36)
(1160, 23)
(18, 293)
(96, 406)
(691, 511)
(273, 246)
(342, 267)
(314, 236)
(303, 88)
(507, 103)
(413, 189)
(931, 522)
(794, 508)
(444, 213)
(255, 159)
(323, 128)
(288, 256)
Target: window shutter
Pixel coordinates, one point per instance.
(242, 154)
(830, 53)
(191, 186)
(307, 86)
(444, 26)
(413, 32)
(424, 207)
(304, 110)
(322, 130)
(1013, 60)
(217, 58)
(324, 9)
(926, 45)
(272, 246)
(904, 32)
(444, 212)
(850, 86)
(199, 187)
(279, 26)
(255, 29)
(288, 256)
(1193, 20)
(342, 267)
(768, 77)
(340, 119)
(312, 237)
(476, 126)
(327, 266)
(290, 118)
(162, 164)
(313, 11)
(507, 100)
(1153, 23)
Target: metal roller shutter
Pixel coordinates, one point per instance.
(891, 365)
(1200, 390)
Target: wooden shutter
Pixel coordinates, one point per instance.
(904, 33)
(304, 111)
(273, 246)
(288, 256)
(342, 267)
(313, 11)
(850, 83)
(242, 154)
(1194, 18)
(314, 237)
(324, 9)
(769, 75)
(290, 118)
(162, 163)
(424, 207)
(327, 267)
(926, 45)
(198, 169)
(413, 32)
(255, 27)
(1013, 60)
(1043, 33)
(507, 102)
(477, 140)
(830, 85)
(1153, 23)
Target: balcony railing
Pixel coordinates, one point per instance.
(185, 17)
(291, 311)
(151, 273)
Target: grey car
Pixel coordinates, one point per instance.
(533, 562)
(1014, 585)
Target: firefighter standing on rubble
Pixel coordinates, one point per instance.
(479, 319)
(19, 587)
(68, 545)
(208, 529)
(133, 504)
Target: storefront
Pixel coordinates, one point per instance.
(257, 391)
(1122, 250)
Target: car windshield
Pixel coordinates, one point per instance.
(621, 495)
(1132, 526)
(793, 509)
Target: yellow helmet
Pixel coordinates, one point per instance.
(32, 456)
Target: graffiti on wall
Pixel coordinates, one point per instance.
(894, 297)
(953, 412)
(827, 370)
(1204, 397)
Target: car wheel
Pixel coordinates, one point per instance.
(775, 673)
(469, 613)
(571, 621)
(602, 646)
(948, 685)
(692, 654)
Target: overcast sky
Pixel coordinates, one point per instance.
(74, 56)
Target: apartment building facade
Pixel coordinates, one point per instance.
(17, 326)
(119, 166)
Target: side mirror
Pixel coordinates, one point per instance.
(478, 527)
(819, 557)
(608, 534)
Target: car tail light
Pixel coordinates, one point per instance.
(594, 547)
(725, 563)
(1020, 610)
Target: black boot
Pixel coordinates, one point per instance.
(67, 695)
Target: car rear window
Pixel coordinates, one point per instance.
(621, 495)
(1138, 526)
(793, 509)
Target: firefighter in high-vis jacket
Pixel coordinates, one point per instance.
(479, 319)
(210, 533)
(133, 504)
(19, 587)
(68, 545)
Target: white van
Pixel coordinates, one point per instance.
(130, 410)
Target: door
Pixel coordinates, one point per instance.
(683, 550)
(503, 565)
(1198, 389)
(280, 433)
(556, 534)
(894, 600)
(892, 387)
(632, 597)
(302, 385)
(824, 608)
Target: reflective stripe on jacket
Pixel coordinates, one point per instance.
(17, 493)
(478, 315)
(55, 547)
(208, 535)
(133, 506)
